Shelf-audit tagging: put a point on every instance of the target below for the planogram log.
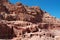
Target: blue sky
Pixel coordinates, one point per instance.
(51, 6)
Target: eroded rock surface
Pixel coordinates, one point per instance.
(20, 22)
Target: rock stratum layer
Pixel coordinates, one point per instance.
(20, 22)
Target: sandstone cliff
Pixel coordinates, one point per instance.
(20, 22)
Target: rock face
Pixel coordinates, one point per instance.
(20, 22)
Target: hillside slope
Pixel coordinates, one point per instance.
(20, 22)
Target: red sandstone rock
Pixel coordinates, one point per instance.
(20, 22)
